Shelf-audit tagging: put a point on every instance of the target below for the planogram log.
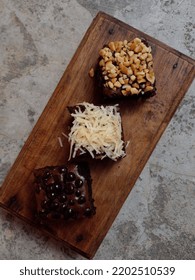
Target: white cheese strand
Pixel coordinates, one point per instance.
(98, 130)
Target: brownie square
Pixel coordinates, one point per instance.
(96, 131)
(126, 69)
(64, 192)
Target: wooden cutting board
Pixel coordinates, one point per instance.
(143, 124)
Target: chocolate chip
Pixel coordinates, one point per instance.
(63, 207)
(63, 169)
(57, 187)
(71, 202)
(51, 195)
(63, 197)
(88, 212)
(81, 199)
(71, 176)
(54, 205)
(48, 179)
(70, 213)
(47, 174)
(78, 183)
(69, 189)
(50, 188)
(78, 193)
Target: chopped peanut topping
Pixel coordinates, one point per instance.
(91, 73)
(127, 66)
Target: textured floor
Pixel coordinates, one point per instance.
(38, 39)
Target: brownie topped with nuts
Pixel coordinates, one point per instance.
(96, 131)
(64, 192)
(126, 69)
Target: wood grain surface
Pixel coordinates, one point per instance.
(143, 122)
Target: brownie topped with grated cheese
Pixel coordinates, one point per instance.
(96, 131)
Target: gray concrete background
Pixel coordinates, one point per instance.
(37, 40)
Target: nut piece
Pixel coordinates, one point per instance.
(150, 77)
(123, 68)
(91, 72)
(102, 63)
(117, 84)
(134, 91)
(133, 78)
(127, 87)
(110, 84)
(143, 56)
(109, 65)
(121, 80)
(112, 46)
(148, 88)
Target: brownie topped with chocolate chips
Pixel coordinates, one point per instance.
(64, 192)
(125, 68)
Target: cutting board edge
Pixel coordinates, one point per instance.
(87, 255)
(135, 30)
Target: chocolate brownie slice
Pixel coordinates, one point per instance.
(126, 69)
(96, 131)
(64, 191)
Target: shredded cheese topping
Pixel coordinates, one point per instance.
(98, 130)
(60, 142)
